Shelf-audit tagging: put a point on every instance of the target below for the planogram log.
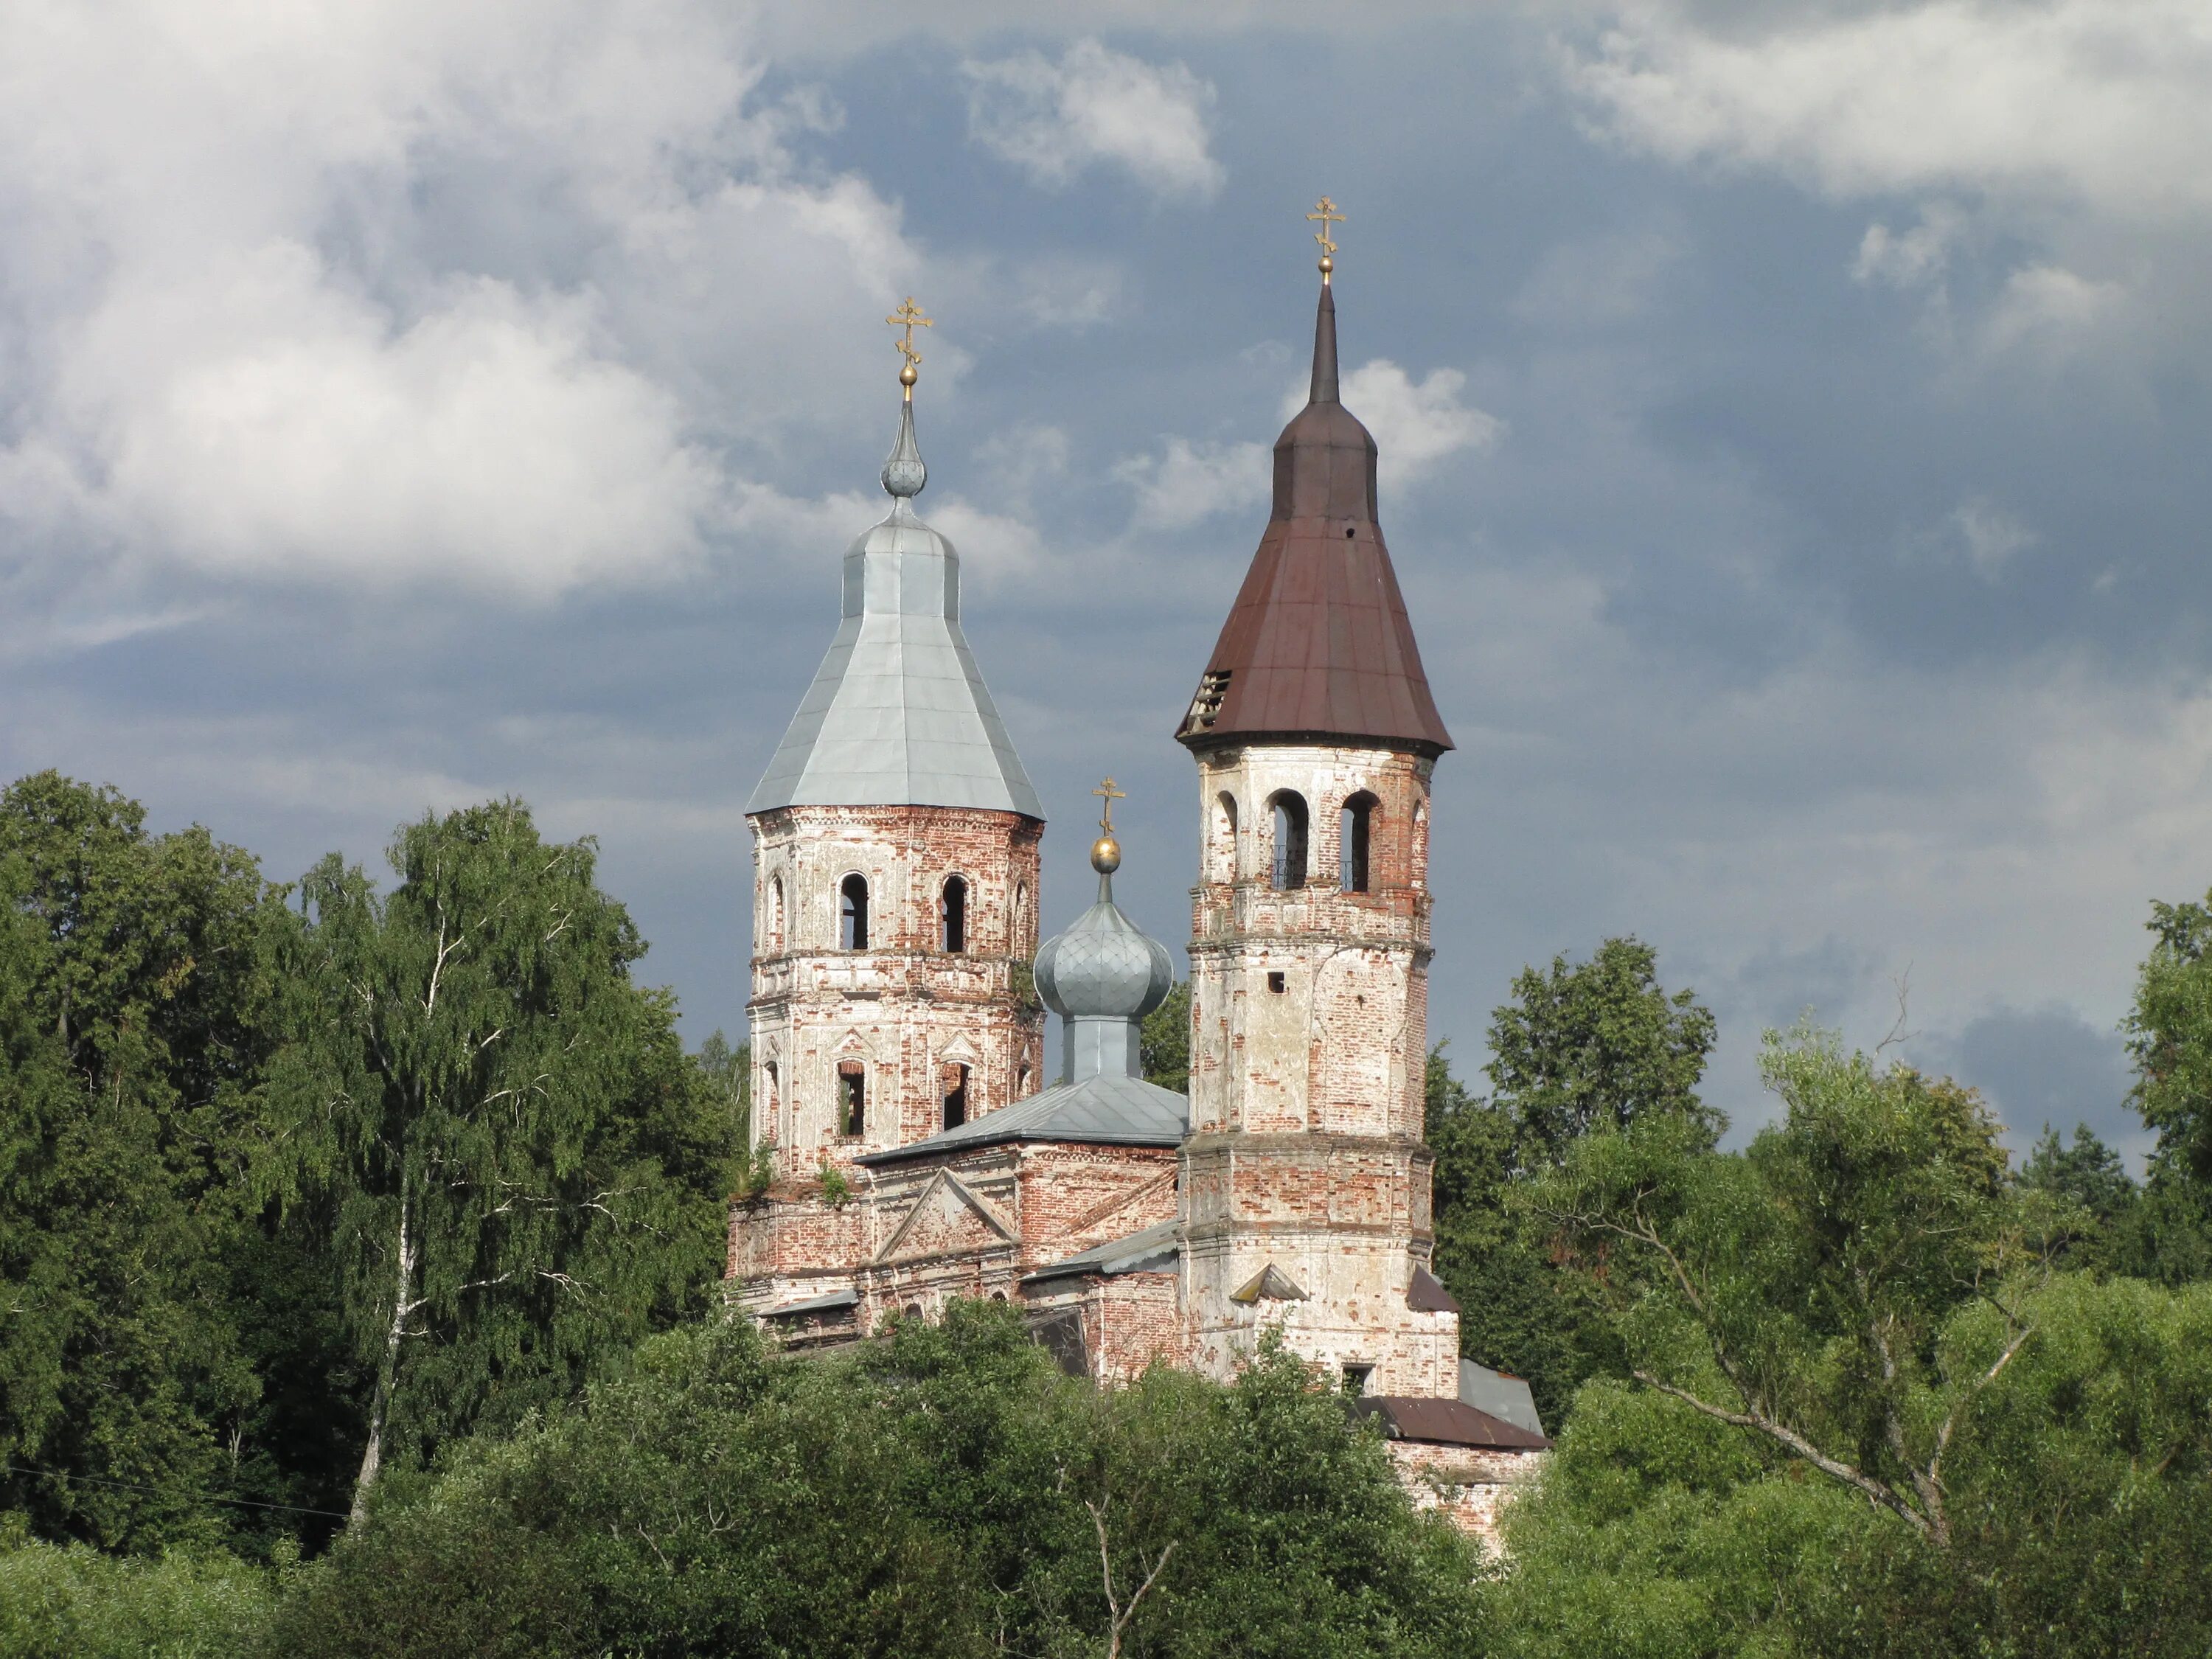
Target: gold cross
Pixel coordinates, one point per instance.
(1325, 210)
(909, 317)
(1110, 794)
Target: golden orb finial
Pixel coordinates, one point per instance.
(1106, 852)
(909, 318)
(1325, 210)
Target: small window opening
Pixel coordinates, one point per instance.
(1356, 1378)
(853, 914)
(1275, 983)
(952, 913)
(955, 1096)
(1021, 1083)
(1020, 919)
(1290, 865)
(775, 913)
(1358, 829)
(1225, 837)
(1349, 531)
(914, 1312)
(852, 1097)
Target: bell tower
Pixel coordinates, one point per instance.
(894, 898)
(1305, 1181)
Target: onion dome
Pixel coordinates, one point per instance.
(1104, 966)
(1318, 644)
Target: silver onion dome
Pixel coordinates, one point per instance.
(1104, 966)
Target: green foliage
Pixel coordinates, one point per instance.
(519, 1168)
(76, 1603)
(1598, 1044)
(127, 989)
(727, 1073)
(943, 1493)
(1163, 1040)
(2170, 1036)
(2075, 1491)
(837, 1191)
(1799, 1289)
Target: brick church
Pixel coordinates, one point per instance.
(900, 1092)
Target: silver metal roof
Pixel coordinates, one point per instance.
(1156, 1250)
(1104, 965)
(898, 714)
(1105, 1110)
(1506, 1398)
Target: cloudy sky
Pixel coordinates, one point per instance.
(1793, 419)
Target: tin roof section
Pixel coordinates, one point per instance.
(1318, 643)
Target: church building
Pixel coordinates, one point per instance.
(917, 1150)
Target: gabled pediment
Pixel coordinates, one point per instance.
(1270, 1283)
(949, 1216)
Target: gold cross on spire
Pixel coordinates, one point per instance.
(909, 317)
(1110, 794)
(1325, 210)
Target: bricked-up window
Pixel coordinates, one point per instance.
(1289, 862)
(1020, 919)
(952, 912)
(852, 1097)
(1225, 837)
(1358, 825)
(955, 1083)
(853, 914)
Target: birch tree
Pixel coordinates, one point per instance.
(516, 1161)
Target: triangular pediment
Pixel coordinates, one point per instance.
(948, 1217)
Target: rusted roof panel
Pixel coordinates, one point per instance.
(1318, 642)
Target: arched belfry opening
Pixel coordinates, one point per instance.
(955, 1085)
(852, 912)
(952, 916)
(1288, 871)
(1356, 841)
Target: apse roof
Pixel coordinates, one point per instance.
(898, 714)
(1105, 1111)
(1318, 643)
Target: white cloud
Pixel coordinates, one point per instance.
(1188, 482)
(1909, 258)
(278, 315)
(1416, 424)
(2051, 308)
(1053, 120)
(2107, 102)
(1979, 534)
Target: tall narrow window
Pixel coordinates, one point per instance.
(955, 1096)
(775, 929)
(1021, 920)
(771, 1099)
(852, 1097)
(1225, 837)
(1289, 863)
(853, 914)
(1358, 829)
(952, 911)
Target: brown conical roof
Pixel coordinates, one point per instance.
(1318, 644)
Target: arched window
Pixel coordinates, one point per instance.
(955, 1083)
(853, 914)
(1021, 1083)
(1019, 943)
(773, 934)
(1290, 862)
(852, 1097)
(1225, 837)
(1358, 827)
(1417, 875)
(771, 1096)
(952, 914)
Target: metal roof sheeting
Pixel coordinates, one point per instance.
(1446, 1423)
(1156, 1250)
(1104, 1110)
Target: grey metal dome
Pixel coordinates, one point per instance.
(1104, 967)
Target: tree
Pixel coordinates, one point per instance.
(1598, 1044)
(727, 1075)
(1582, 1047)
(1797, 1292)
(1163, 1040)
(128, 997)
(2166, 1234)
(520, 1168)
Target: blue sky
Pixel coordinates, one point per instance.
(1793, 420)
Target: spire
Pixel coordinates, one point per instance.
(1318, 644)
